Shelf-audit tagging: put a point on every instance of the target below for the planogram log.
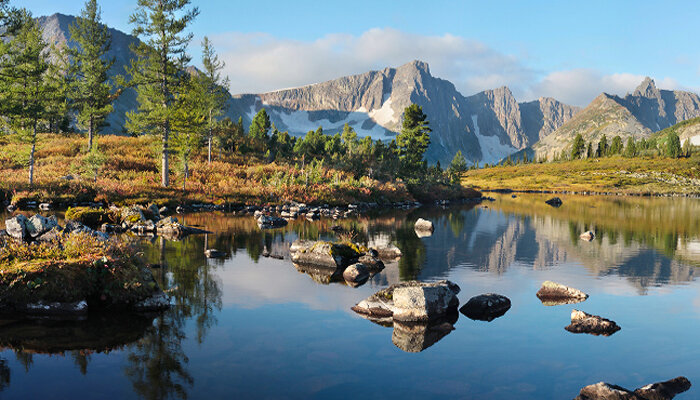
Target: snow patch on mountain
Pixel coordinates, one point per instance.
(492, 150)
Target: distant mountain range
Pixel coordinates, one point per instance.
(639, 114)
(486, 127)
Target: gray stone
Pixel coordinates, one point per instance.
(270, 222)
(356, 274)
(486, 307)
(388, 252)
(38, 225)
(16, 227)
(322, 254)
(424, 225)
(411, 301)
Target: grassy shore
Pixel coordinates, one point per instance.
(131, 175)
(617, 174)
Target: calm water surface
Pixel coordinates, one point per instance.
(251, 326)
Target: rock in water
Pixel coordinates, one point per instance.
(213, 253)
(423, 227)
(270, 222)
(356, 274)
(389, 252)
(411, 301)
(555, 202)
(588, 236)
(323, 254)
(552, 293)
(16, 227)
(486, 307)
(582, 322)
(655, 391)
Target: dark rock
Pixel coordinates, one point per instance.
(50, 236)
(486, 307)
(582, 322)
(552, 293)
(656, 391)
(373, 264)
(554, 202)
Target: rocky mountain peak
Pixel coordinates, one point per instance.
(418, 65)
(647, 88)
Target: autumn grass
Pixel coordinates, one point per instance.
(638, 176)
(131, 176)
(69, 269)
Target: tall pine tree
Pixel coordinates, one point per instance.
(215, 88)
(92, 91)
(156, 70)
(24, 92)
(413, 141)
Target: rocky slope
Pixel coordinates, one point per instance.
(485, 127)
(638, 114)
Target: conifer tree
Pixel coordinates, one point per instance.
(578, 147)
(92, 91)
(58, 81)
(673, 145)
(156, 70)
(24, 94)
(413, 140)
(189, 121)
(215, 87)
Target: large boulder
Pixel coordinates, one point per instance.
(411, 301)
(38, 225)
(132, 216)
(16, 227)
(388, 252)
(486, 307)
(656, 391)
(582, 322)
(324, 254)
(552, 293)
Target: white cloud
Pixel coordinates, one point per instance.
(259, 62)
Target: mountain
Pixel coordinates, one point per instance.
(644, 111)
(486, 127)
(55, 31)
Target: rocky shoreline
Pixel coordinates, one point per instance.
(591, 193)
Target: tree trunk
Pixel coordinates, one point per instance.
(90, 133)
(210, 136)
(186, 174)
(165, 176)
(31, 156)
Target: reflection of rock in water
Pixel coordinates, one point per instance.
(4, 374)
(416, 337)
(322, 275)
(97, 333)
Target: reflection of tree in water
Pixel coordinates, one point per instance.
(413, 249)
(157, 363)
(4, 374)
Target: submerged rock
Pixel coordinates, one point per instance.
(158, 301)
(587, 236)
(411, 301)
(486, 307)
(423, 228)
(656, 391)
(555, 202)
(77, 308)
(582, 322)
(552, 293)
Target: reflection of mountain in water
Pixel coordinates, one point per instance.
(493, 241)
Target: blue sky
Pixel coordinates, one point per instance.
(567, 50)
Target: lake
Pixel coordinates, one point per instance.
(253, 326)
